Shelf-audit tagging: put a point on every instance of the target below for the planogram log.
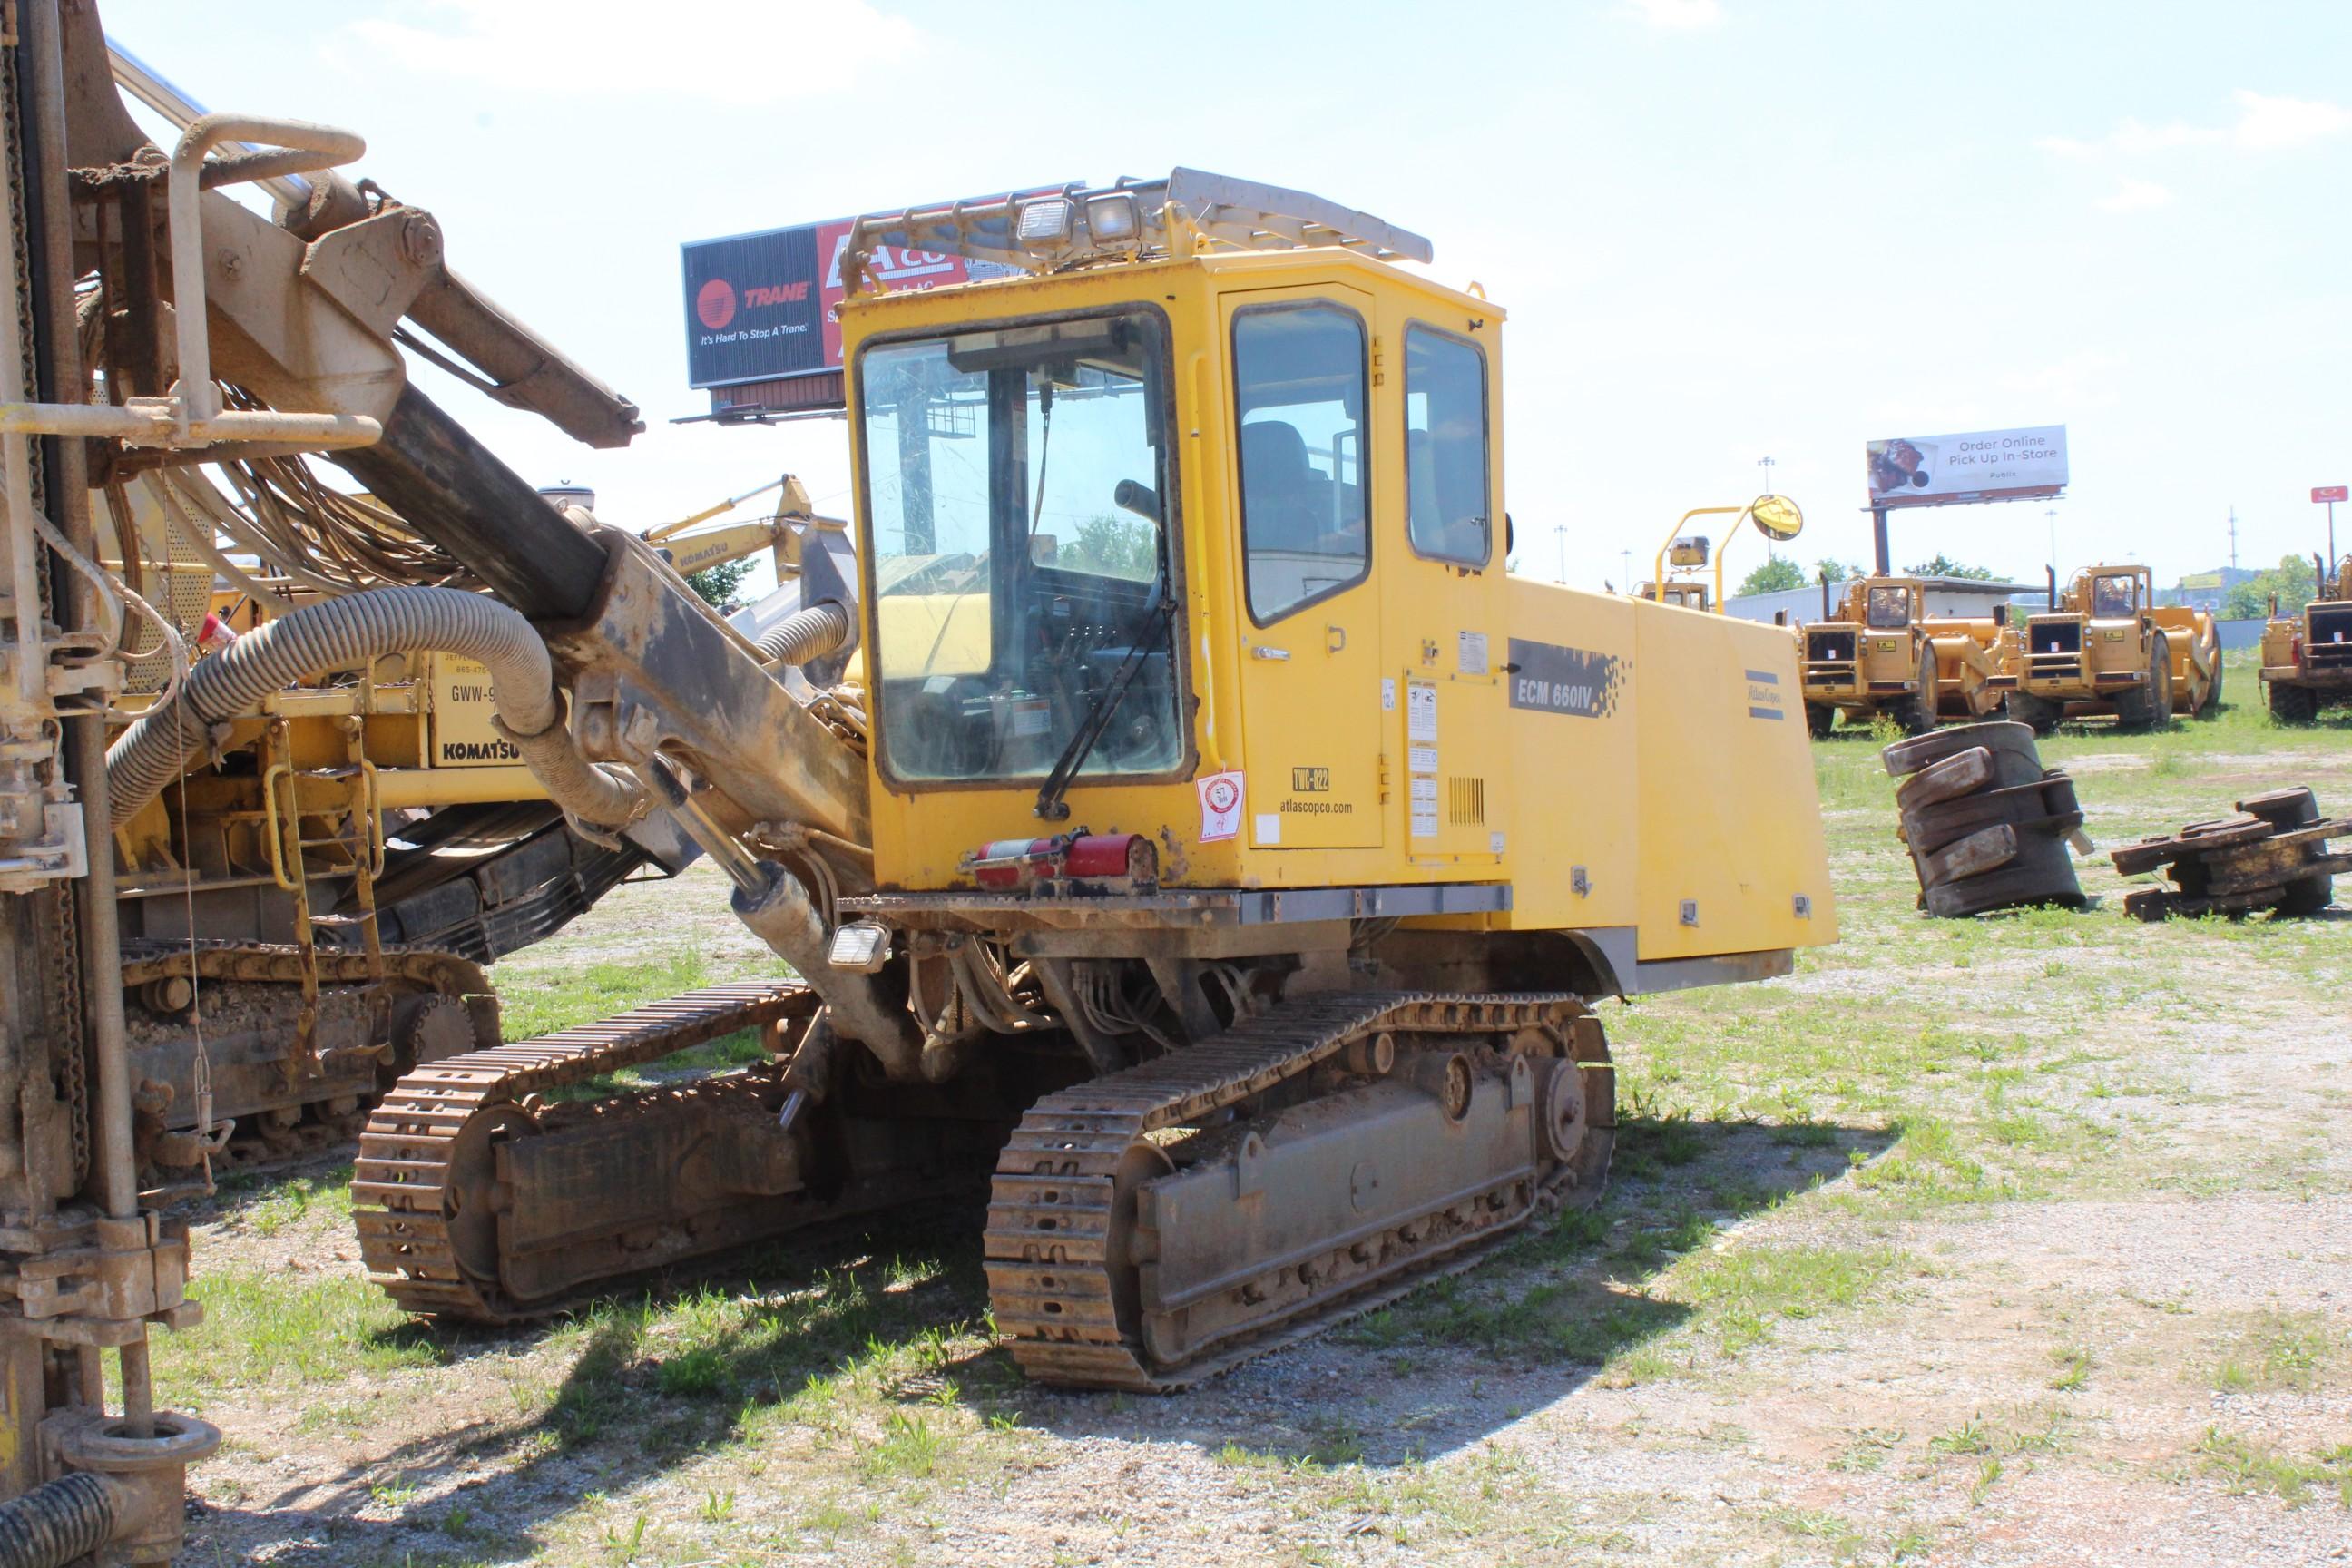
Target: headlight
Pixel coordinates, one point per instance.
(861, 945)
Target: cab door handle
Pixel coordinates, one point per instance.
(1335, 638)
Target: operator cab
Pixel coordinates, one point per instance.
(2116, 595)
(1887, 607)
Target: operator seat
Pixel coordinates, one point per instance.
(1278, 489)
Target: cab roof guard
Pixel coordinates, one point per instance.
(1128, 220)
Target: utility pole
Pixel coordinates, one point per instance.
(1559, 531)
(2051, 514)
(2234, 536)
(1766, 464)
(1628, 556)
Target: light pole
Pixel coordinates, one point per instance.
(1628, 556)
(1766, 464)
(1559, 531)
(2052, 513)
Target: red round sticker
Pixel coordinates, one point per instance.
(716, 303)
(1223, 795)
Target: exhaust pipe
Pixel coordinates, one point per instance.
(2054, 586)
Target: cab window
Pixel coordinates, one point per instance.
(1299, 383)
(1890, 609)
(1445, 467)
(2112, 598)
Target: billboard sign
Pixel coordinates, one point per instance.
(766, 306)
(1988, 464)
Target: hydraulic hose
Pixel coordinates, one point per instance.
(59, 1521)
(806, 634)
(346, 633)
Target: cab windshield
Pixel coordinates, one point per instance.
(1890, 609)
(1014, 480)
(2115, 598)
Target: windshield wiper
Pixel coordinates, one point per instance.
(1096, 719)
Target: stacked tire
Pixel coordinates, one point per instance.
(2274, 855)
(1988, 825)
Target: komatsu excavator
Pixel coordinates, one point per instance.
(1174, 821)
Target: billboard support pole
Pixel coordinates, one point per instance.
(1878, 540)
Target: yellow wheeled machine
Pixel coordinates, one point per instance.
(1879, 652)
(2308, 657)
(2106, 648)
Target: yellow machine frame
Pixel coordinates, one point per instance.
(1668, 807)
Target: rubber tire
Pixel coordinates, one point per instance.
(2212, 704)
(2288, 810)
(2150, 708)
(1917, 713)
(2038, 714)
(1818, 719)
(1904, 758)
(2292, 704)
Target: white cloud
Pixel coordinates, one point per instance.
(2135, 197)
(1678, 16)
(736, 51)
(2265, 124)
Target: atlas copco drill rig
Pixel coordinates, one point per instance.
(1178, 821)
(1214, 845)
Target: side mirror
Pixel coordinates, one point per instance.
(1777, 517)
(1690, 550)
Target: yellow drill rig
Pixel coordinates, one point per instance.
(1175, 821)
(1193, 856)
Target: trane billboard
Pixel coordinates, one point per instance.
(1988, 464)
(765, 307)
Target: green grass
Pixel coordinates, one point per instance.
(269, 1333)
(546, 1003)
(2279, 1351)
(2246, 1466)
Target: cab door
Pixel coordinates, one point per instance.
(1448, 642)
(1310, 665)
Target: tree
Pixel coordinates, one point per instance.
(1110, 546)
(716, 584)
(2290, 580)
(1836, 570)
(1944, 565)
(1772, 577)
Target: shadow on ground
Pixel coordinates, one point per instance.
(662, 1378)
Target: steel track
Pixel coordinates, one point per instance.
(406, 1190)
(1065, 1301)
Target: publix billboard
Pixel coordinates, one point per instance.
(1986, 465)
(764, 307)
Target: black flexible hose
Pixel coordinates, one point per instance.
(54, 1523)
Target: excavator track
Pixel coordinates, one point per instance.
(284, 1105)
(1121, 1256)
(426, 1166)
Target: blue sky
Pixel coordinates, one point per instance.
(1723, 229)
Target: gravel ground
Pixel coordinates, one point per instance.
(2040, 1375)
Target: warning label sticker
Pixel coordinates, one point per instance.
(1221, 806)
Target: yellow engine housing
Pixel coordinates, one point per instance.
(1633, 771)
